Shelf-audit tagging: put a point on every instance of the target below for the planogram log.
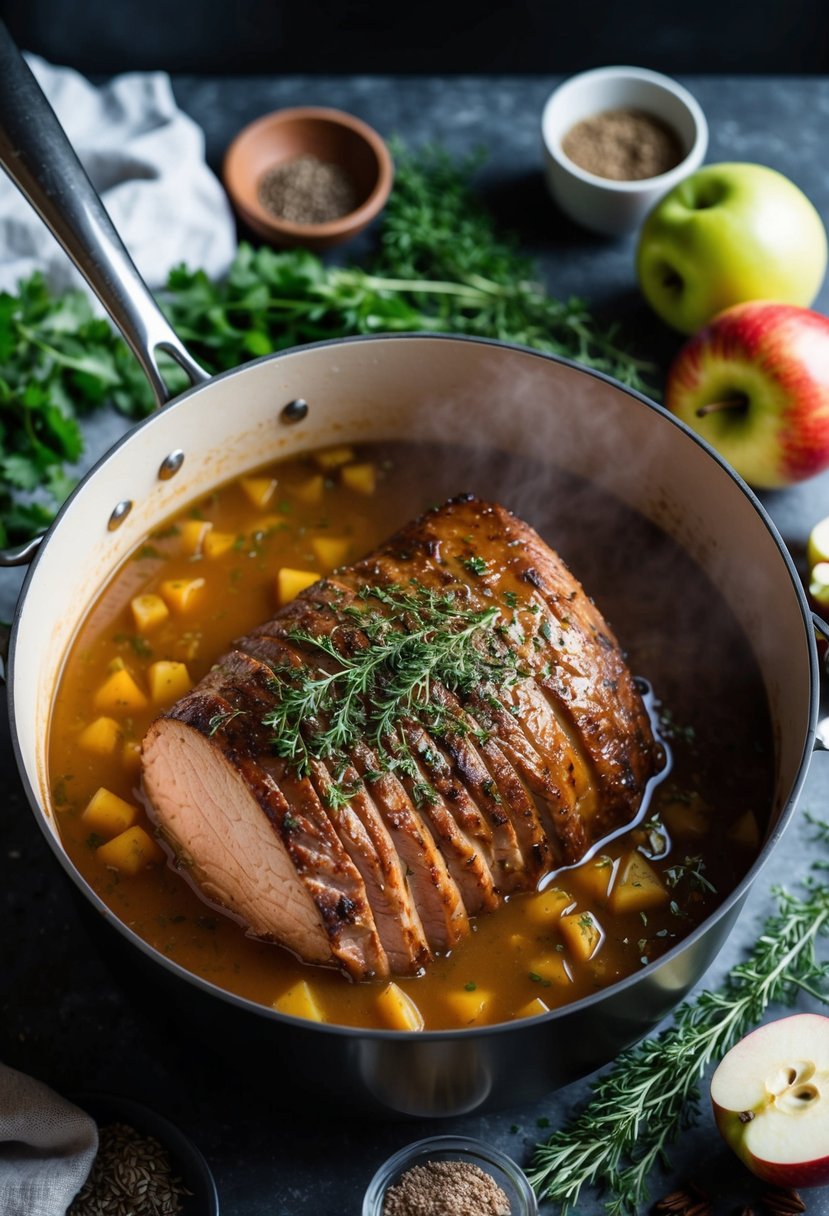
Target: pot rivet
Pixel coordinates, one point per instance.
(171, 464)
(294, 411)
(119, 514)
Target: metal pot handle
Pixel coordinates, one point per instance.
(38, 157)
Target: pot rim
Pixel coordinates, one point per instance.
(735, 897)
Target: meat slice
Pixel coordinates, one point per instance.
(467, 723)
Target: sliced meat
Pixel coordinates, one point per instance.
(424, 791)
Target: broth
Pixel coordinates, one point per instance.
(699, 834)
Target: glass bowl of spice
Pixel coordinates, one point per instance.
(616, 140)
(145, 1165)
(449, 1176)
(308, 176)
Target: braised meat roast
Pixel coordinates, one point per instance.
(404, 745)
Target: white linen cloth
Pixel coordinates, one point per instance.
(47, 1147)
(145, 158)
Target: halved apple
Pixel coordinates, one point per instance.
(770, 1095)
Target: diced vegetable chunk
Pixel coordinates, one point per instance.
(119, 692)
(107, 814)
(546, 907)
(101, 737)
(259, 490)
(290, 582)
(300, 1001)
(688, 820)
(131, 755)
(267, 523)
(532, 1009)
(638, 887)
(181, 594)
(148, 611)
(596, 876)
(745, 831)
(468, 1004)
(582, 934)
(168, 681)
(550, 968)
(216, 544)
(362, 478)
(332, 458)
(192, 535)
(311, 491)
(130, 852)
(398, 1010)
(330, 551)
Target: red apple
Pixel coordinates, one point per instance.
(771, 1100)
(754, 382)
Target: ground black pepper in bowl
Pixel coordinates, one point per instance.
(306, 190)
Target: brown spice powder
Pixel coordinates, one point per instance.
(446, 1188)
(307, 190)
(623, 145)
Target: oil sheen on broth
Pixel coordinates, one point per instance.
(699, 834)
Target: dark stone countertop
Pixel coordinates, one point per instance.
(63, 1017)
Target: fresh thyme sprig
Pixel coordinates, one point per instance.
(413, 637)
(639, 1107)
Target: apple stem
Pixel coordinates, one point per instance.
(735, 402)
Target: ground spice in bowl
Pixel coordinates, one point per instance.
(623, 145)
(446, 1188)
(132, 1175)
(306, 190)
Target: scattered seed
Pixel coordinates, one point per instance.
(131, 1175)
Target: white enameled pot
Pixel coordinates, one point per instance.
(403, 387)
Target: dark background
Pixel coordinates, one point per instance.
(430, 36)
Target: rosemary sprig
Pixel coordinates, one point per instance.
(639, 1107)
(412, 638)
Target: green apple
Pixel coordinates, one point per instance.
(729, 233)
(770, 1096)
(755, 384)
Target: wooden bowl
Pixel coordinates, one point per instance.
(333, 137)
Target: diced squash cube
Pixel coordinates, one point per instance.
(119, 691)
(745, 831)
(267, 523)
(131, 755)
(332, 458)
(519, 943)
(300, 1001)
(130, 852)
(181, 594)
(468, 1005)
(168, 681)
(546, 907)
(101, 737)
(582, 934)
(362, 478)
(216, 544)
(550, 968)
(259, 490)
(290, 582)
(398, 1010)
(107, 814)
(192, 535)
(330, 551)
(688, 819)
(148, 611)
(311, 490)
(532, 1009)
(638, 887)
(596, 876)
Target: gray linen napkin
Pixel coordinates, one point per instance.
(145, 157)
(47, 1147)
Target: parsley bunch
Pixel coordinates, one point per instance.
(440, 265)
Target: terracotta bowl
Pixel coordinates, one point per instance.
(332, 136)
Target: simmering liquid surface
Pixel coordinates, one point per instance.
(699, 833)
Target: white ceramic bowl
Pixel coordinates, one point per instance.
(604, 205)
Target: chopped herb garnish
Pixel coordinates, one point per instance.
(475, 565)
(221, 719)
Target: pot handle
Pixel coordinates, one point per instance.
(822, 731)
(36, 154)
